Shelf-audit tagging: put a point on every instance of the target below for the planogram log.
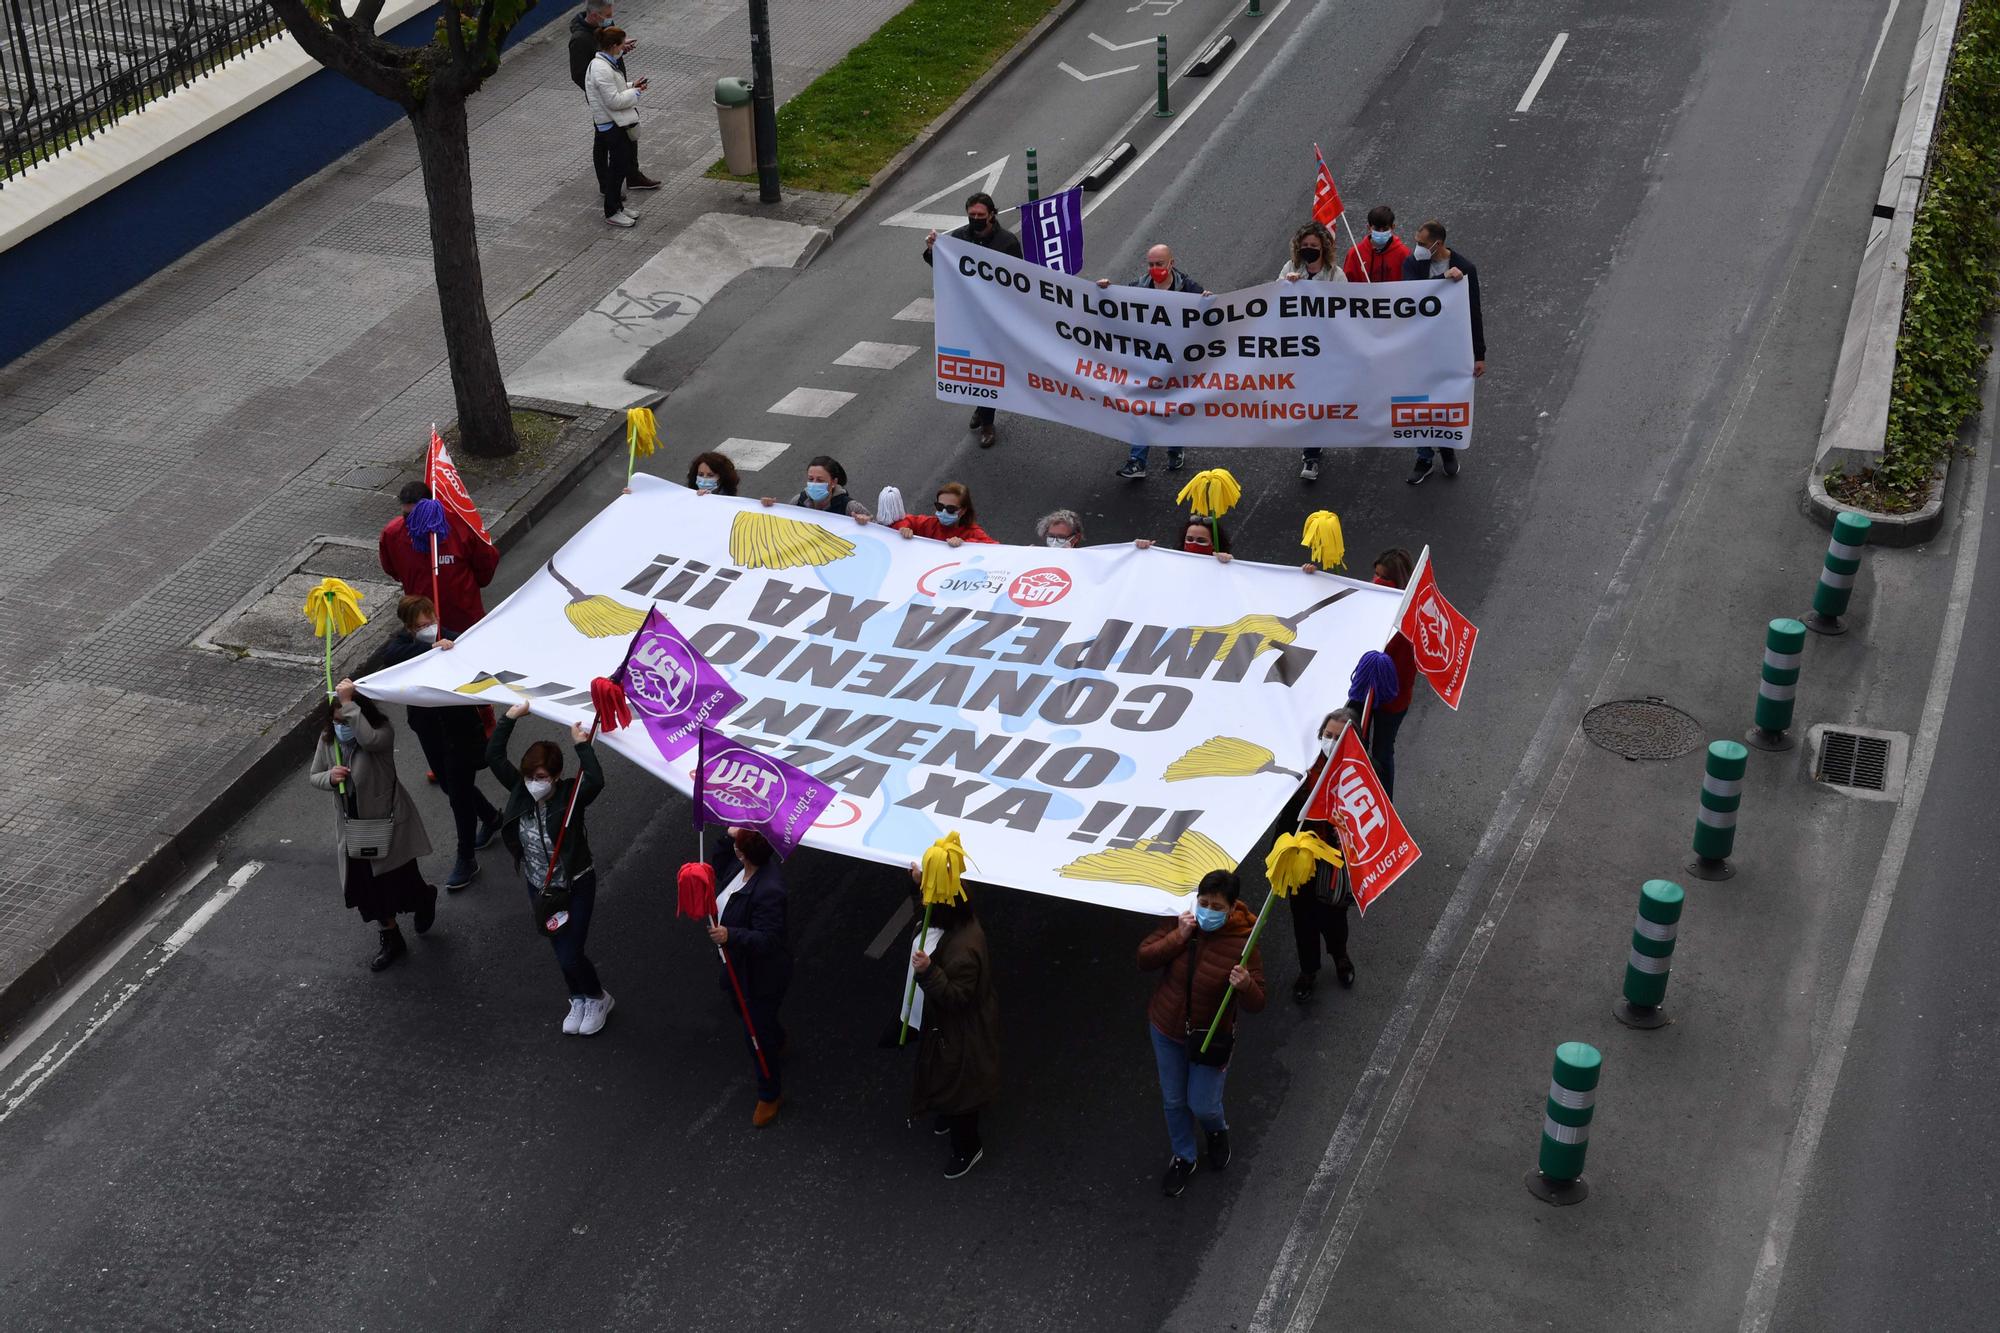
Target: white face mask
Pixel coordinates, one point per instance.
(1059, 543)
(539, 789)
(1421, 254)
(1326, 746)
(428, 634)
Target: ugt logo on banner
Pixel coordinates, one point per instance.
(1373, 841)
(1441, 639)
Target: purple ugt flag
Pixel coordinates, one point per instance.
(734, 784)
(1052, 231)
(673, 690)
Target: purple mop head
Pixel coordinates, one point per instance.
(1377, 672)
(426, 520)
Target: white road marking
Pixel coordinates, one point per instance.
(810, 403)
(1760, 1303)
(1880, 38)
(751, 455)
(1110, 45)
(1081, 77)
(986, 180)
(1548, 63)
(920, 311)
(894, 927)
(30, 1079)
(876, 356)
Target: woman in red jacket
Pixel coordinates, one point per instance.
(1202, 954)
(955, 522)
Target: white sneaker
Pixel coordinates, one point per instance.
(575, 1019)
(594, 1013)
(621, 219)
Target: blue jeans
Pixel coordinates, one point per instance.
(1425, 453)
(579, 973)
(1189, 1093)
(1141, 452)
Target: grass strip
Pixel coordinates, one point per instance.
(845, 125)
(1954, 273)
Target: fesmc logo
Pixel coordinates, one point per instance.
(1416, 417)
(1037, 588)
(1355, 790)
(1435, 651)
(964, 375)
(660, 676)
(739, 784)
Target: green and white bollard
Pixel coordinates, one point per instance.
(1715, 819)
(1784, 644)
(1836, 575)
(1162, 109)
(1034, 178)
(1558, 1174)
(1256, 9)
(1652, 956)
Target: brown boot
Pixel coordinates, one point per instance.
(766, 1112)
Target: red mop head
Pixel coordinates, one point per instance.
(697, 890)
(607, 697)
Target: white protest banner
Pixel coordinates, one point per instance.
(1286, 365)
(1107, 724)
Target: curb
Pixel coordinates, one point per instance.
(264, 762)
(1897, 530)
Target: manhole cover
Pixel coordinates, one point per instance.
(1642, 729)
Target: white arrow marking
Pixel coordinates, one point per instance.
(1081, 77)
(987, 178)
(1121, 46)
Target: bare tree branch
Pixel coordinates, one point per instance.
(486, 8)
(351, 56)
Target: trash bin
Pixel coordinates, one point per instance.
(734, 117)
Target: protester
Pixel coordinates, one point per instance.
(982, 227)
(1201, 954)
(1380, 257)
(750, 926)
(531, 824)
(454, 742)
(363, 780)
(1392, 570)
(465, 563)
(1199, 536)
(1434, 259)
(1319, 908)
(712, 473)
(614, 116)
(958, 1060)
(1161, 275)
(583, 30)
(825, 490)
(954, 522)
(1061, 529)
(1312, 261)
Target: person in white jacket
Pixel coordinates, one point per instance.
(1311, 261)
(614, 111)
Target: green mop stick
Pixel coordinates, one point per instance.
(337, 760)
(1249, 947)
(910, 998)
(631, 448)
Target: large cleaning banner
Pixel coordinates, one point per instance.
(1107, 724)
(1292, 364)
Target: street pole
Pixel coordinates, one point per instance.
(764, 102)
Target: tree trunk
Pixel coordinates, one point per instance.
(485, 423)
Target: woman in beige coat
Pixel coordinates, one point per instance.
(365, 787)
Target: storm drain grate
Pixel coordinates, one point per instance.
(1642, 729)
(1848, 759)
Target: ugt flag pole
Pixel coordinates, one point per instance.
(1327, 206)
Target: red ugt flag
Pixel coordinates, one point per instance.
(1440, 637)
(449, 489)
(1373, 842)
(1326, 196)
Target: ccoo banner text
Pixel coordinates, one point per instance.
(1340, 365)
(1107, 724)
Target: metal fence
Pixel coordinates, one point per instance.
(71, 67)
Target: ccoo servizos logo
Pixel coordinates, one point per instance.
(1040, 587)
(961, 367)
(1417, 410)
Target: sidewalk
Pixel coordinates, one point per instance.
(246, 417)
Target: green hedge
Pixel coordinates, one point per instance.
(1953, 273)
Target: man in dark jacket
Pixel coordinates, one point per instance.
(582, 46)
(454, 742)
(1434, 259)
(1162, 275)
(982, 227)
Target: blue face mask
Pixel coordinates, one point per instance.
(707, 483)
(947, 516)
(1209, 918)
(1380, 238)
(817, 491)
(343, 733)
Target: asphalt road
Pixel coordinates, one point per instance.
(263, 1134)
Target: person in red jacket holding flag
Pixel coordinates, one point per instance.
(1380, 257)
(465, 564)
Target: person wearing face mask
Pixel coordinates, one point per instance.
(1061, 530)
(1434, 259)
(1311, 261)
(750, 927)
(953, 521)
(1162, 275)
(712, 473)
(825, 490)
(1199, 536)
(1319, 909)
(1392, 570)
(982, 227)
(1200, 958)
(532, 824)
(356, 761)
(958, 1054)
(454, 742)
(465, 563)
(1379, 256)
